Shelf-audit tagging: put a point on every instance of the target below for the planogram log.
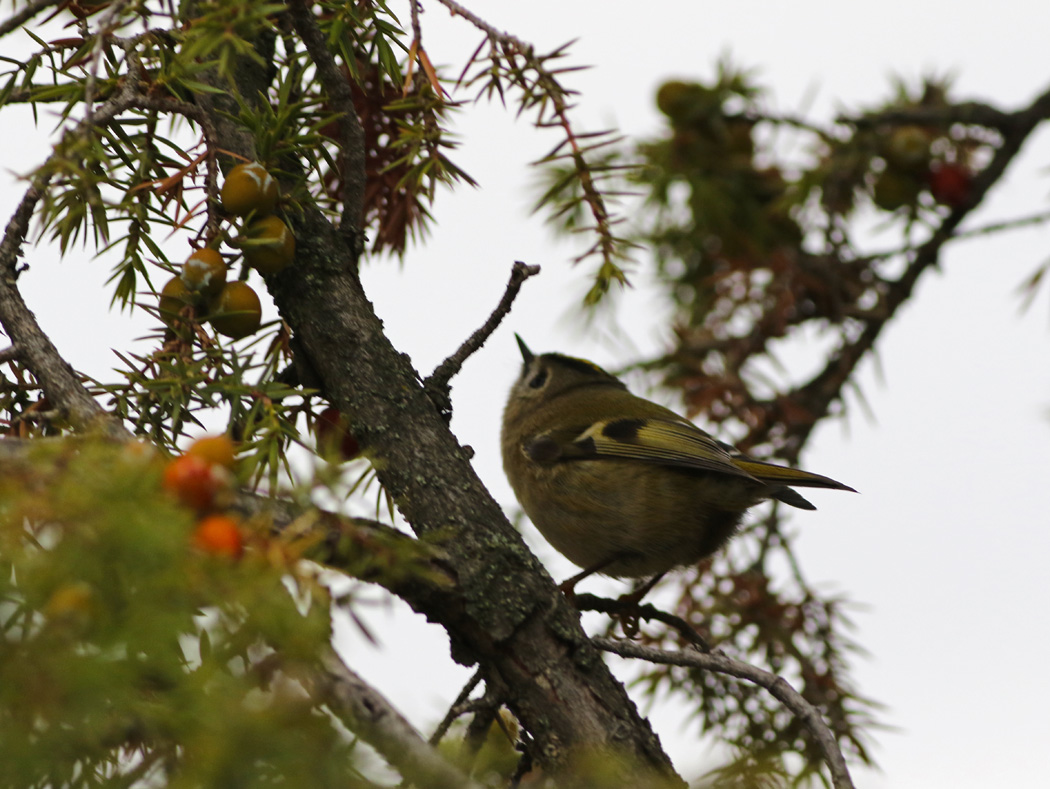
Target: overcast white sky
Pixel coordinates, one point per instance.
(947, 545)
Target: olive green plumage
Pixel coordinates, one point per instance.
(621, 485)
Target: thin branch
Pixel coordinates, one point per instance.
(60, 383)
(371, 716)
(980, 230)
(353, 137)
(481, 24)
(16, 21)
(106, 25)
(455, 710)
(417, 31)
(970, 113)
(778, 687)
(9, 354)
(211, 148)
(438, 380)
(793, 121)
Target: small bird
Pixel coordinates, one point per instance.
(621, 485)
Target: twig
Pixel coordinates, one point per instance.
(455, 710)
(973, 232)
(9, 354)
(370, 715)
(353, 136)
(554, 112)
(417, 31)
(481, 24)
(95, 58)
(211, 148)
(791, 120)
(437, 383)
(778, 687)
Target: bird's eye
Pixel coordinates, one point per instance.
(538, 380)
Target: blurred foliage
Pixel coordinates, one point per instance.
(129, 657)
(753, 247)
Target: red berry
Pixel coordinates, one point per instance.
(333, 434)
(950, 183)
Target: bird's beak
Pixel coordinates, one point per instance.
(526, 354)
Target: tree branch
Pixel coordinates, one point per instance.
(211, 143)
(778, 687)
(368, 714)
(457, 708)
(554, 111)
(617, 608)
(437, 384)
(60, 383)
(353, 136)
(970, 113)
(15, 21)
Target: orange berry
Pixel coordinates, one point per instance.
(237, 311)
(74, 599)
(269, 245)
(204, 272)
(247, 188)
(194, 481)
(219, 535)
(217, 450)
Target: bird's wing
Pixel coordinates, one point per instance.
(669, 442)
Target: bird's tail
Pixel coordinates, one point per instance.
(784, 478)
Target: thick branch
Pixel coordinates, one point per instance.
(778, 687)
